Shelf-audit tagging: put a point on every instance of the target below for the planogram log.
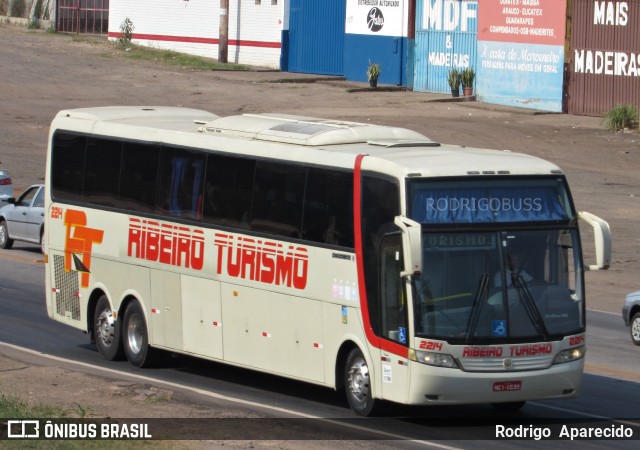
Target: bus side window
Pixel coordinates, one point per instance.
(277, 199)
(102, 171)
(392, 290)
(67, 166)
(139, 177)
(380, 204)
(180, 183)
(328, 207)
(228, 190)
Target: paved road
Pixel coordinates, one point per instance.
(608, 392)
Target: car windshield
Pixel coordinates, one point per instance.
(509, 285)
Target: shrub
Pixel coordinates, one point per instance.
(621, 117)
(126, 28)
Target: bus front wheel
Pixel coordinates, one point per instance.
(357, 384)
(136, 338)
(106, 331)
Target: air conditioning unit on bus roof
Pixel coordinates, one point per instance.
(312, 131)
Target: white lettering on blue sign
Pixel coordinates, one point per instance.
(449, 15)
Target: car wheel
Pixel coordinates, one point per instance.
(106, 331)
(635, 328)
(136, 338)
(5, 241)
(357, 384)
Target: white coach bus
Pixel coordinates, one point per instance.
(348, 255)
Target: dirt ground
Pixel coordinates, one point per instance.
(42, 73)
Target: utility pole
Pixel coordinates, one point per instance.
(223, 38)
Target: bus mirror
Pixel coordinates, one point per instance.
(412, 245)
(602, 238)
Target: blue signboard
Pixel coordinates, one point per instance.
(521, 53)
(446, 37)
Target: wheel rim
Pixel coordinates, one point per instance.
(3, 234)
(635, 330)
(135, 333)
(105, 328)
(358, 381)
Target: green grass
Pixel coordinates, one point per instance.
(12, 408)
(621, 117)
(142, 53)
(137, 52)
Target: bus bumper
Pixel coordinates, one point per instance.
(436, 385)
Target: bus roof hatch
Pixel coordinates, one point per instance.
(309, 131)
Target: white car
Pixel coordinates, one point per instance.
(631, 315)
(6, 187)
(23, 219)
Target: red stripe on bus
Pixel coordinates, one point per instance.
(199, 40)
(374, 340)
(357, 223)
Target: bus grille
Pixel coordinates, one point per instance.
(66, 290)
(498, 364)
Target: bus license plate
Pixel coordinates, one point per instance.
(507, 386)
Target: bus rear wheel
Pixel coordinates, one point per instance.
(136, 338)
(357, 384)
(106, 331)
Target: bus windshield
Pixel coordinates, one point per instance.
(504, 285)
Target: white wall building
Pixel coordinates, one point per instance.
(192, 26)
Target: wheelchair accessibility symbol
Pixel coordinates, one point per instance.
(402, 335)
(499, 328)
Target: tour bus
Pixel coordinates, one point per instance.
(354, 256)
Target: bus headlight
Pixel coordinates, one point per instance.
(572, 354)
(433, 359)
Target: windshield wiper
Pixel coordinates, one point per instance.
(530, 306)
(482, 293)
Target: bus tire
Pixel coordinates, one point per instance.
(106, 331)
(136, 338)
(508, 406)
(357, 383)
(5, 241)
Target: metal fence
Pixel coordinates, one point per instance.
(83, 16)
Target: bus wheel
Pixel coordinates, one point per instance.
(136, 338)
(5, 241)
(358, 384)
(508, 406)
(106, 331)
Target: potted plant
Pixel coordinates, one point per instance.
(467, 76)
(454, 81)
(373, 72)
